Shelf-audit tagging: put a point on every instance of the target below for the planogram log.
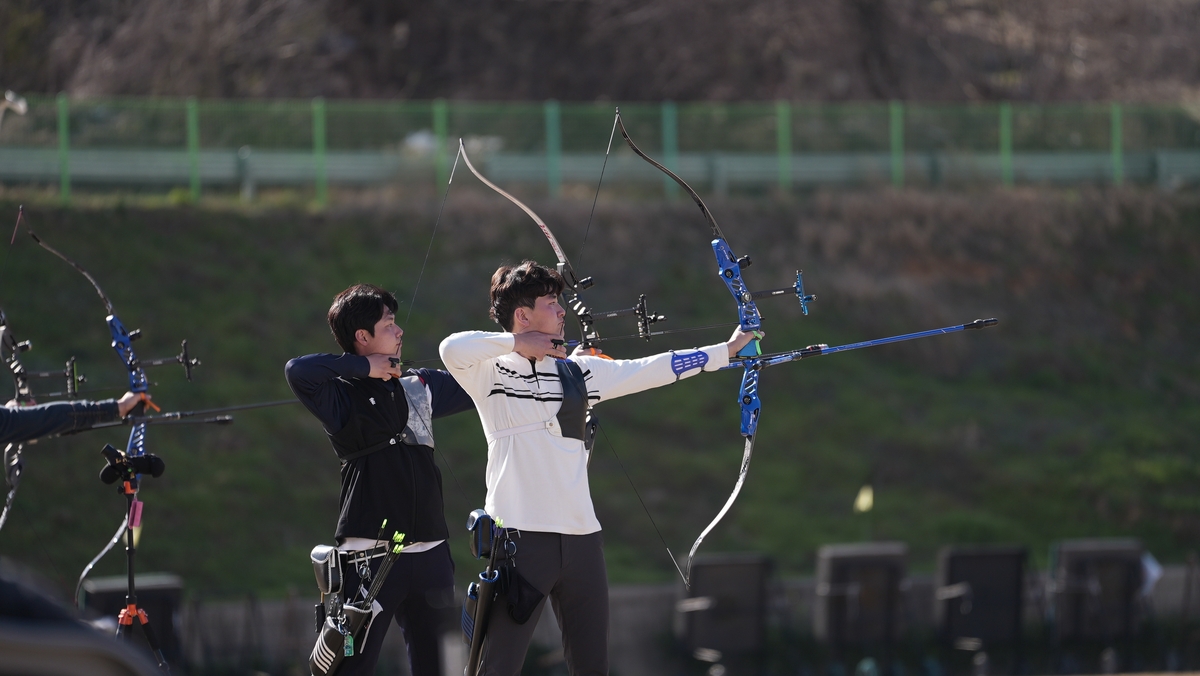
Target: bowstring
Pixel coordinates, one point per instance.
(611, 447)
(446, 462)
(599, 183)
(645, 509)
(417, 287)
(11, 243)
(413, 302)
(432, 235)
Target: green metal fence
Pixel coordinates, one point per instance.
(751, 148)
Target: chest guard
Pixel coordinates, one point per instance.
(573, 416)
(417, 430)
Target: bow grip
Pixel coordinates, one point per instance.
(752, 349)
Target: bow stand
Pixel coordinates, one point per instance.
(126, 466)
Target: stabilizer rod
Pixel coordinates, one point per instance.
(763, 361)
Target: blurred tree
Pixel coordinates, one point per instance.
(588, 50)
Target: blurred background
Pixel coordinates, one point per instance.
(1016, 500)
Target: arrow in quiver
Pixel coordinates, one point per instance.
(346, 630)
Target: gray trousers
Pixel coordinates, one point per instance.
(570, 570)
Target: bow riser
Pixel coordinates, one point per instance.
(122, 342)
(730, 271)
(137, 441)
(750, 403)
(583, 314)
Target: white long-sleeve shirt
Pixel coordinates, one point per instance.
(537, 479)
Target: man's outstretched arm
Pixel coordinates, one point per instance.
(33, 422)
(616, 378)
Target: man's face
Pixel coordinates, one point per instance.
(387, 339)
(546, 316)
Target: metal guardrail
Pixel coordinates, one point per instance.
(721, 147)
(717, 173)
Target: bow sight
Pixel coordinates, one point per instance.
(644, 317)
(186, 360)
(11, 348)
(797, 288)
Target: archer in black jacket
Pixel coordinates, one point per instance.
(379, 421)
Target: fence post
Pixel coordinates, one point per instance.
(896, 135)
(783, 144)
(441, 123)
(64, 149)
(553, 149)
(318, 115)
(670, 141)
(1006, 144)
(193, 147)
(1118, 145)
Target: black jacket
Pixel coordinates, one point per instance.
(382, 432)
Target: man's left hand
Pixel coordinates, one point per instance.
(741, 339)
(128, 402)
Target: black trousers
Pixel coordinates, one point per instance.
(570, 570)
(416, 593)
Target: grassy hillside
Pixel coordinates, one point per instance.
(1077, 416)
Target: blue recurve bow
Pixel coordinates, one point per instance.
(729, 268)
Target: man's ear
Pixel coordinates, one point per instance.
(362, 337)
(520, 317)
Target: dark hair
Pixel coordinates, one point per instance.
(521, 286)
(359, 307)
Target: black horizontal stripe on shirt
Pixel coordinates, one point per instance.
(535, 376)
(529, 395)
